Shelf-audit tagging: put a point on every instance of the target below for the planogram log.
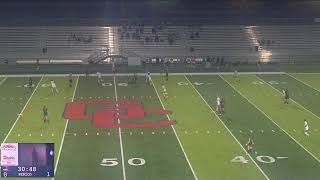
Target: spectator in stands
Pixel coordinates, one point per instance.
(156, 38)
(154, 31)
(197, 35)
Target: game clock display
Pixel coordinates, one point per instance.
(27, 160)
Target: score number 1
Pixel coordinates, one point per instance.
(109, 162)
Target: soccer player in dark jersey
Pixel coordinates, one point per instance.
(45, 114)
(70, 80)
(30, 83)
(222, 106)
(286, 96)
(167, 74)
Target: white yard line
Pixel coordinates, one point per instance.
(227, 129)
(65, 129)
(14, 124)
(3, 80)
(303, 82)
(271, 119)
(185, 154)
(120, 135)
(290, 98)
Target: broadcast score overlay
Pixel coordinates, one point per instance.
(27, 160)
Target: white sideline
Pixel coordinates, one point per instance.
(194, 174)
(139, 74)
(64, 131)
(14, 124)
(228, 129)
(271, 118)
(120, 135)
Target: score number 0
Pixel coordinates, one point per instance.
(109, 162)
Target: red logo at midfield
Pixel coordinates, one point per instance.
(108, 114)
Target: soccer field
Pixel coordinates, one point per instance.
(169, 130)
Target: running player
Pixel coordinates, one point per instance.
(286, 96)
(218, 101)
(113, 67)
(54, 87)
(306, 127)
(148, 78)
(236, 75)
(135, 78)
(45, 114)
(30, 83)
(167, 74)
(164, 91)
(249, 145)
(70, 80)
(99, 76)
(222, 106)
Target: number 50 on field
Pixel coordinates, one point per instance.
(109, 162)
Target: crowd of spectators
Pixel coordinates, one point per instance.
(139, 32)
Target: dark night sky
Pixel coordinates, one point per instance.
(33, 10)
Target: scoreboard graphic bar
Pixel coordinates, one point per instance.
(27, 160)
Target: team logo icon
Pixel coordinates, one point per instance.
(106, 114)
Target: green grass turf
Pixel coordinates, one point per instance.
(207, 143)
(288, 116)
(82, 154)
(12, 100)
(311, 80)
(298, 91)
(162, 153)
(30, 127)
(269, 139)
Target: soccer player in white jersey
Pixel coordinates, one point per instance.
(236, 75)
(306, 127)
(218, 101)
(53, 87)
(148, 78)
(99, 75)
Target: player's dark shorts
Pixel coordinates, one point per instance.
(286, 97)
(70, 80)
